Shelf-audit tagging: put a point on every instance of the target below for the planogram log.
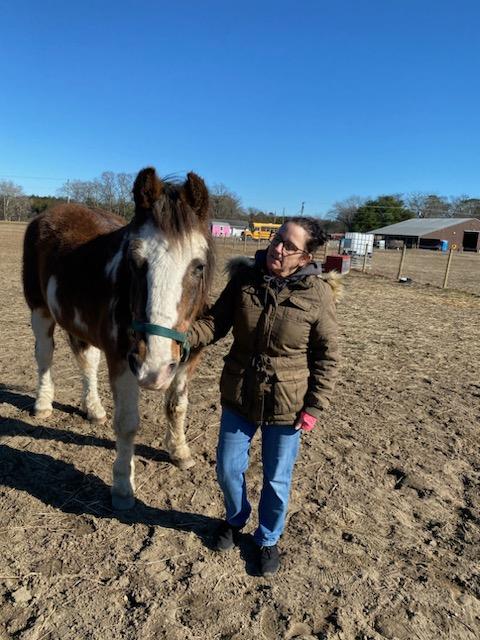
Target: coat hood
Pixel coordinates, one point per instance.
(332, 278)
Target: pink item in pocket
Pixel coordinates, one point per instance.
(306, 421)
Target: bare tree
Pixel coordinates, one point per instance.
(436, 207)
(124, 193)
(344, 211)
(110, 191)
(224, 203)
(417, 203)
(464, 207)
(84, 191)
(9, 192)
(20, 208)
(107, 186)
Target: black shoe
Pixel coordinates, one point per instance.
(225, 537)
(269, 560)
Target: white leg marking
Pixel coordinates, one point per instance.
(126, 423)
(176, 402)
(88, 361)
(52, 300)
(42, 326)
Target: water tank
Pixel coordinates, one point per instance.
(357, 244)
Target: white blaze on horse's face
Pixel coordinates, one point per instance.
(165, 265)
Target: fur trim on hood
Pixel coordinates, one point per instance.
(335, 282)
(234, 265)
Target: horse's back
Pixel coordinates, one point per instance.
(56, 232)
(70, 225)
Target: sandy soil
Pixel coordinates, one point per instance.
(384, 525)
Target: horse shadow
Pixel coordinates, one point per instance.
(25, 402)
(62, 486)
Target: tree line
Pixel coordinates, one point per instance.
(365, 214)
(113, 192)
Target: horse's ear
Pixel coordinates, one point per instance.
(196, 194)
(147, 189)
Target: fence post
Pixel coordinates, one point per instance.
(447, 270)
(325, 251)
(365, 260)
(402, 260)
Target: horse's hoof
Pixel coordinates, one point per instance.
(183, 463)
(42, 414)
(97, 419)
(122, 503)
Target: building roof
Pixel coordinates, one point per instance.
(417, 227)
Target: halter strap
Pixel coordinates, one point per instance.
(164, 332)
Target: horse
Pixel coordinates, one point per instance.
(129, 290)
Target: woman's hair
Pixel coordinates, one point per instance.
(316, 235)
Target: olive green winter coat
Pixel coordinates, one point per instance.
(284, 353)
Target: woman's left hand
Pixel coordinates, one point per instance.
(305, 422)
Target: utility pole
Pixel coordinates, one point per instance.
(302, 208)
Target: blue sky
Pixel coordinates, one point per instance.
(283, 102)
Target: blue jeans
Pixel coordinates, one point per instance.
(280, 444)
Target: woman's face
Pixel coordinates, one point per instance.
(287, 251)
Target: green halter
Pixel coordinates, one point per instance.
(164, 332)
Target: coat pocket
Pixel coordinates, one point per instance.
(289, 391)
(232, 383)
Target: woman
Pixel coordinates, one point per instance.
(278, 376)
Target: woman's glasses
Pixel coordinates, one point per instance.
(288, 248)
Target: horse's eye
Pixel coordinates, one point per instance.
(199, 269)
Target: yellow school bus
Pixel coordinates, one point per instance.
(261, 230)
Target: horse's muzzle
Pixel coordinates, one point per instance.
(158, 379)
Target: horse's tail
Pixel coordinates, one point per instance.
(30, 274)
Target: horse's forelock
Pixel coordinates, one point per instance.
(173, 215)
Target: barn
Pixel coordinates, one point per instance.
(462, 234)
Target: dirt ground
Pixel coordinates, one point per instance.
(428, 267)
(384, 525)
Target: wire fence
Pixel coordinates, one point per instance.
(453, 270)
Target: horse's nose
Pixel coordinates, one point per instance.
(159, 379)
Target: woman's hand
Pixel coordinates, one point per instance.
(305, 422)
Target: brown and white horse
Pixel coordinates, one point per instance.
(130, 290)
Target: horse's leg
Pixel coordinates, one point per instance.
(43, 326)
(176, 401)
(126, 422)
(88, 358)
